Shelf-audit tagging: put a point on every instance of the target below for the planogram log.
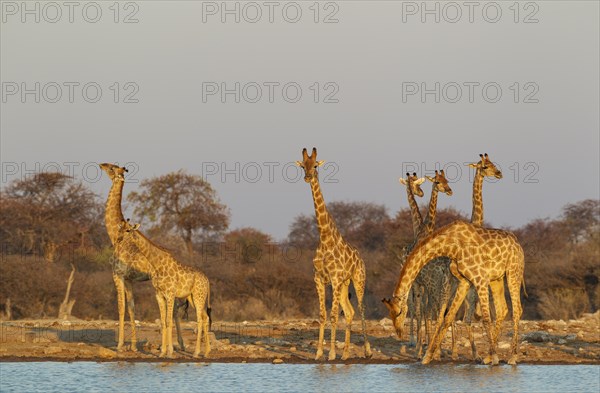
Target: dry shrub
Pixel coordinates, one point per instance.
(563, 303)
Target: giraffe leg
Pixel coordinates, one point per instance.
(439, 322)
(206, 317)
(461, 292)
(359, 288)
(170, 300)
(322, 315)
(335, 312)
(419, 315)
(120, 287)
(411, 310)
(202, 318)
(514, 288)
(470, 305)
(484, 301)
(177, 317)
(426, 320)
(454, 342)
(163, 328)
(206, 322)
(348, 315)
(131, 312)
(500, 305)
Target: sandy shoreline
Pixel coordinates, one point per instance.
(287, 341)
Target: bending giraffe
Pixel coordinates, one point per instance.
(480, 257)
(337, 263)
(171, 280)
(124, 271)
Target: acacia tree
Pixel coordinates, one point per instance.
(181, 203)
(46, 211)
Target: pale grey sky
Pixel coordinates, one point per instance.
(371, 62)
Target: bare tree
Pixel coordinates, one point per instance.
(46, 211)
(181, 203)
(66, 307)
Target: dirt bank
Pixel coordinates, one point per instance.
(293, 341)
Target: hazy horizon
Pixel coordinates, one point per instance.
(367, 73)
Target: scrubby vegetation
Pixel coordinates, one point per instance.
(49, 222)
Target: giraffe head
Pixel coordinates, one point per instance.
(398, 308)
(414, 183)
(125, 228)
(113, 171)
(440, 182)
(486, 167)
(310, 164)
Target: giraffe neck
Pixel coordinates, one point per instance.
(477, 214)
(156, 256)
(417, 219)
(429, 249)
(430, 220)
(327, 228)
(113, 215)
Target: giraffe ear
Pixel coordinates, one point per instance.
(135, 227)
(419, 181)
(402, 180)
(472, 165)
(388, 304)
(319, 163)
(299, 163)
(431, 179)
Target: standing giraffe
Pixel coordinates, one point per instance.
(413, 187)
(481, 257)
(171, 280)
(123, 271)
(123, 274)
(336, 263)
(483, 168)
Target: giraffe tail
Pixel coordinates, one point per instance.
(186, 306)
(208, 309)
(524, 289)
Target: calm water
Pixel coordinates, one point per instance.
(177, 377)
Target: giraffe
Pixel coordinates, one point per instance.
(413, 187)
(123, 272)
(435, 276)
(483, 168)
(479, 256)
(337, 263)
(171, 280)
(433, 282)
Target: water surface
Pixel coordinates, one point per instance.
(261, 377)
